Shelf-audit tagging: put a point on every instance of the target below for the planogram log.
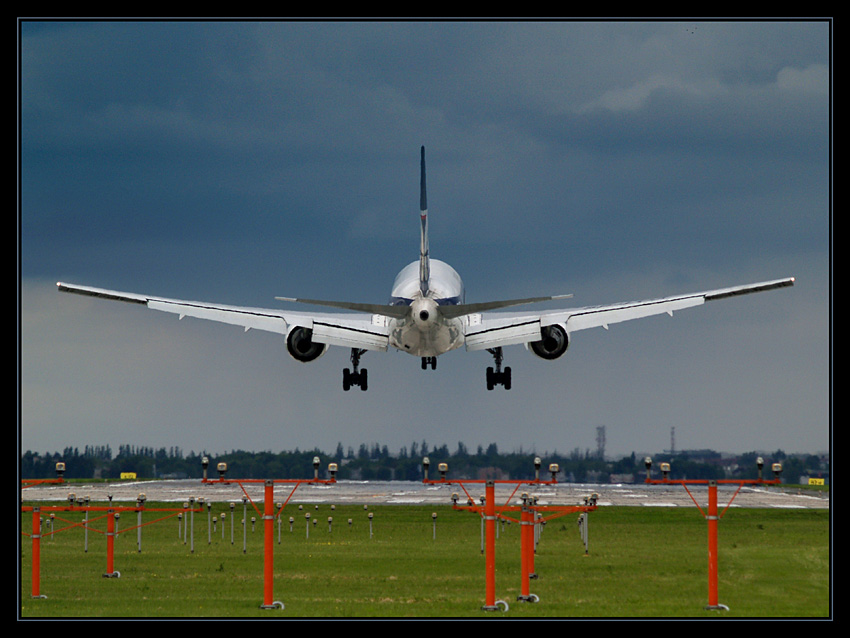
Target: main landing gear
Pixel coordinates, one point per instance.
(355, 377)
(497, 376)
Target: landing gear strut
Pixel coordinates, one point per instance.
(354, 376)
(497, 376)
(426, 361)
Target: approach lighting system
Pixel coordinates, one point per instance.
(443, 467)
(777, 470)
(648, 463)
(60, 469)
(554, 468)
(333, 468)
(426, 463)
(222, 470)
(665, 470)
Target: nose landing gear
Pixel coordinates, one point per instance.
(498, 376)
(429, 361)
(355, 377)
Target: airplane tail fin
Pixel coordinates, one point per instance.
(424, 257)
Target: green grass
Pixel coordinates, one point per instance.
(643, 562)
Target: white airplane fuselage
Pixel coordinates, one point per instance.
(424, 332)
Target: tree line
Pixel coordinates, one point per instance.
(375, 462)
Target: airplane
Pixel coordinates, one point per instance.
(426, 316)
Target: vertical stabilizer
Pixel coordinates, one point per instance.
(424, 257)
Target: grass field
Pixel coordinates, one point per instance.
(643, 562)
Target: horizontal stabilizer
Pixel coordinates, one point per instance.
(448, 311)
(461, 310)
(384, 310)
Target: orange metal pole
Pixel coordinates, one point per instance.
(490, 545)
(712, 547)
(110, 545)
(36, 553)
(268, 554)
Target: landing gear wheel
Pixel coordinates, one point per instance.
(426, 361)
(355, 377)
(498, 376)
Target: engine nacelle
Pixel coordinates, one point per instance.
(300, 344)
(553, 343)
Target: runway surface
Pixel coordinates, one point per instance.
(416, 493)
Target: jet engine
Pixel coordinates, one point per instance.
(553, 343)
(301, 346)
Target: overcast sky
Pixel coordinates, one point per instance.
(238, 161)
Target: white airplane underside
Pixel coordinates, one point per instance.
(426, 316)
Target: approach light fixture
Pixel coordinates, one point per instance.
(222, 470)
(554, 468)
(443, 467)
(777, 470)
(60, 469)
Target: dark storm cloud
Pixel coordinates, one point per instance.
(238, 161)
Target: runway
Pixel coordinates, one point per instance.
(415, 493)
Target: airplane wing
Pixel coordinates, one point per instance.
(503, 329)
(350, 330)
